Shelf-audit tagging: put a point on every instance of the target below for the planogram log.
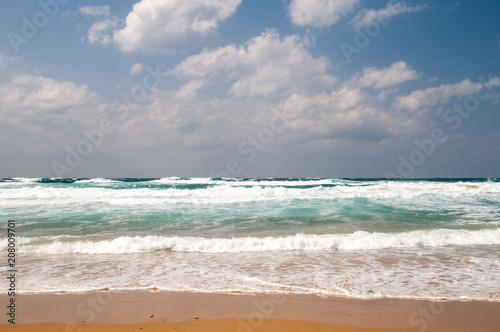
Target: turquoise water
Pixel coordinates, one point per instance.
(329, 230)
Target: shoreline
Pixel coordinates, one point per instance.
(262, 312)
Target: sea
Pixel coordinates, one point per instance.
(357, 238)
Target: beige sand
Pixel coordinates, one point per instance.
(207, 326)
(177, 311)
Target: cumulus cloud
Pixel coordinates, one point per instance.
(5, 59)
(189, 90)
(137, 68)
(38, 102)
(94, 10)
(263, 66)
(397, 73)
(172, 25)
(36, 92)
(100, 32)
(423, 98)
(39, 116)
(368, 16)
(349, 112)
(319, 13)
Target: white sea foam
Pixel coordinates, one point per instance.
(460, 273)
(344, 242)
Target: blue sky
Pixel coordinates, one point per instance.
(250, 88)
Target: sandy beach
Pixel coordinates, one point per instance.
(184, 311)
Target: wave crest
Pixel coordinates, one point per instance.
(359, 240)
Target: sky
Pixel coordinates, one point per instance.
(250, 88)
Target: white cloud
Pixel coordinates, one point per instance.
(100, 32)
(424, 98)
(171, 25)
(94, 10)
(264, 66)
(326, 112)
(137, 68)
(41, 116)
(189, 90)
(30, 94)
(319, 13)
(176, 119)
(397, 73)
(347, 112)
(5, 59)
(368, 16)
(30, 99)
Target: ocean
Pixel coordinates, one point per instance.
(360, 238)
